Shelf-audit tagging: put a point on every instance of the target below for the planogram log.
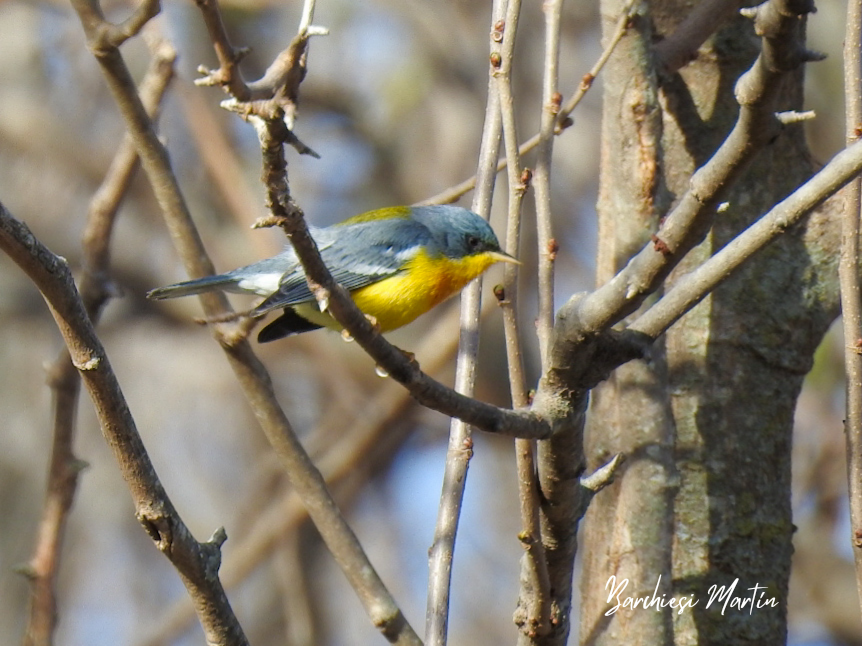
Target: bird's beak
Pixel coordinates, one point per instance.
(502, 256)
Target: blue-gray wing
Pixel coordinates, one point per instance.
(357, 255)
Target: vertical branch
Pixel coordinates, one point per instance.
(533, 613)
(441, 553)
(851, 294)
(551, 99)
(63, 377)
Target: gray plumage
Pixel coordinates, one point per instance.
(358, 252)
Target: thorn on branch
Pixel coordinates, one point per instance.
(813, 56)
(27, 570)
(316, 30)
(268, 221)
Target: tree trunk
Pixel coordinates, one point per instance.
(704, 498)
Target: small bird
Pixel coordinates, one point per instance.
(397, 263)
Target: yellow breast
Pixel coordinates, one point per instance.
(426, 281)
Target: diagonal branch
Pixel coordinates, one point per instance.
(197, 563)
(691, 289)
(62, 374)
(251, 374)
(687, 224)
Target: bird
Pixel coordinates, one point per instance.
(396, 262)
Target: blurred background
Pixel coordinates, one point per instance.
(393, 102)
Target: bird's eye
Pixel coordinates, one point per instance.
(473, 242)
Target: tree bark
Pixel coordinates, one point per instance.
(706, 424)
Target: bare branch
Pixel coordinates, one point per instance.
(551, 99)
(533, 612)
(460, 450)
(371, 429)
(851, 290)
(228, 74)
(250, 372)
(62, 374)
(689, 221)
(563, 121)
(690, 289)
(197, 563)
(131, 26)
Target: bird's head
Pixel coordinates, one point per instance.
(461, 234)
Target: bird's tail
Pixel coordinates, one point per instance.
(188, 288)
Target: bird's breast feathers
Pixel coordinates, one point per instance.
(424, 282)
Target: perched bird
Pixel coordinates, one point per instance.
(397, 263)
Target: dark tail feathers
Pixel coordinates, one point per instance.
(188, 288)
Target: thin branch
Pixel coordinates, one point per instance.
(131, 26)
(228, 74)
(268, 118)
(562, 121)
(460, 450)
(691, 289)
(370, 430)
(533, 613)
(542, 180)
(336, 533)
(851, 290)
(62, 374)
(197, 563)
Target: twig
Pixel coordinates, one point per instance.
(542, 179)
(691, 289)
(196, 562)
(63, 376)
(228, 74)
(460, 450)
(562, 121)
(851, 291)
(533, 613)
